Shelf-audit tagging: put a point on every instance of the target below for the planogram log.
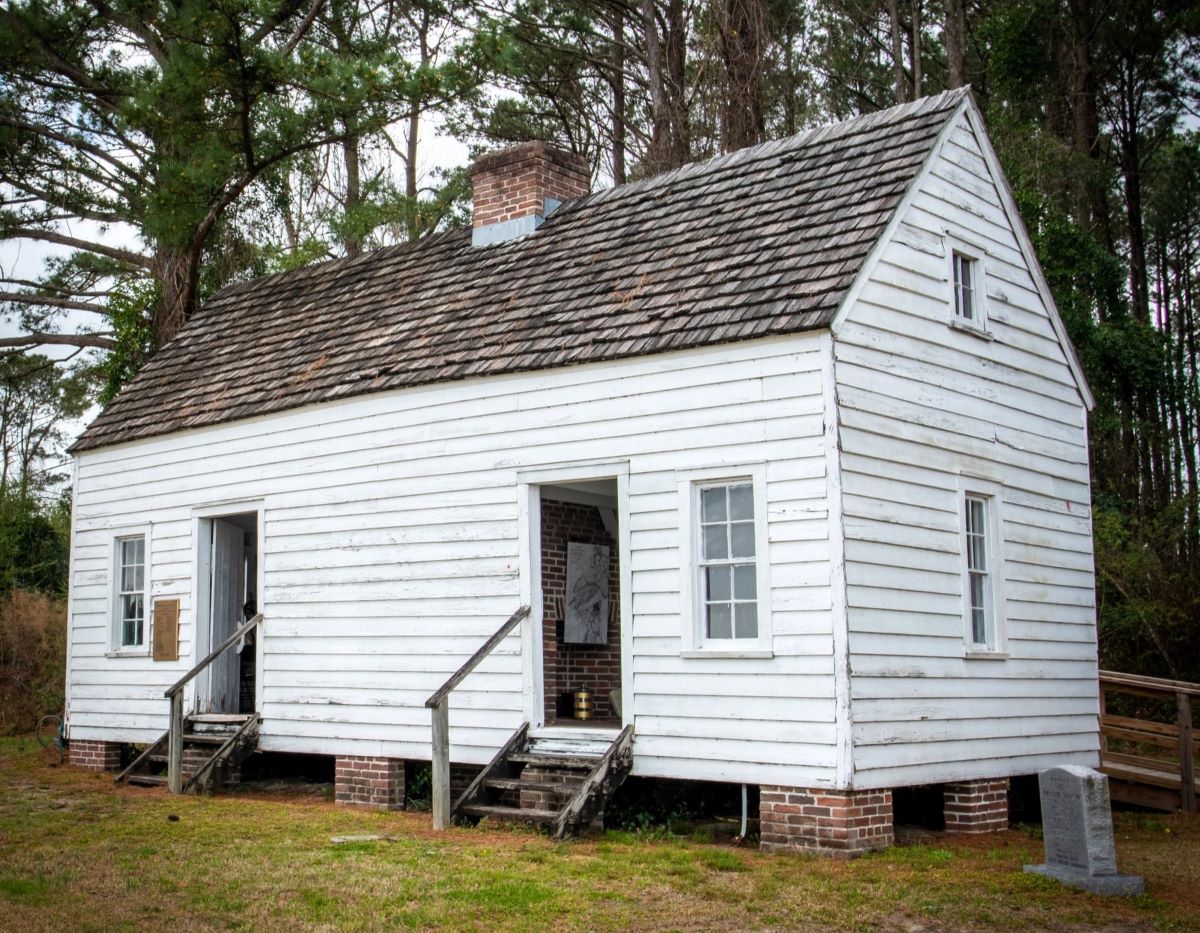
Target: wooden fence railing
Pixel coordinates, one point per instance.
(1150, 761)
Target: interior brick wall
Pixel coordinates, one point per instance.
(976, 806)
(94, 755)
(564, 666)
(830, 822)
(377, 783)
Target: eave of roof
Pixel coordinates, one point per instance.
(763, 241)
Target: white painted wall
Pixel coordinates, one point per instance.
(919, 402)
(390, 553)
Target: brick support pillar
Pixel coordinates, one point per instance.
(377, 783)
(976, 806)
(95, 756)
(830, 822)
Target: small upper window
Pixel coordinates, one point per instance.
(130, 592)
(728, 583)
(967, 306)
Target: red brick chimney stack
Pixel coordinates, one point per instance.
(515, 189)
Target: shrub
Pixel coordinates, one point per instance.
(33, 655)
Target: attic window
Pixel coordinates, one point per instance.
(965, 305)
(968, 289)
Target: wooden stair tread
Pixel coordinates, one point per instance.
(149, 780)
(206, 738)
(235, 719)
(545, 760)
(515, 814)
(553, 787)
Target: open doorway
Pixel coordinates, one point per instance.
(228, 581)
(581, 603)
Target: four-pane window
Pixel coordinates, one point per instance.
(728, 576)
(131, 591)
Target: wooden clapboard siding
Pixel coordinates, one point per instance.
(918, 402)
(390, 553)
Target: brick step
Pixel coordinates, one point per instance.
(554, 761)
(512, 814)
(561, 788)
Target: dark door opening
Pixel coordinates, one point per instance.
(581, 603)
(231, 580)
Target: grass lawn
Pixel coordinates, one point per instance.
(77, 853)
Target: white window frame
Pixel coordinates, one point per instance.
(976, 255)
(695, 643)
(115, 615)
(995, 643)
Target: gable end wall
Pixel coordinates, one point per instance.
(919, 403)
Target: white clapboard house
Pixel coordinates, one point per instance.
(775, 464)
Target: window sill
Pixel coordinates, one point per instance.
(728, 653)
(975, 654)
(128, 653)
(972, 329)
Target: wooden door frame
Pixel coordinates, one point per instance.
(201, 631)
(529, 501)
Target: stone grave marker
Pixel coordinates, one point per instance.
(1077, 827)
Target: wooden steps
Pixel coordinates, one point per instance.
(513, 814)
(213, 744)
(560, 782)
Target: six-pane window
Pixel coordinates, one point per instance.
(131, 591)
(979, 580)
(966, 308)
(728, 584)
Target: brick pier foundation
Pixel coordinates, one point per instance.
(831, 822)
(95, 756)
(976, 806)
(377, 783)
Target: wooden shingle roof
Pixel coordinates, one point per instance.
(763, 241)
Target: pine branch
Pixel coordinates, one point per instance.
(38, 338)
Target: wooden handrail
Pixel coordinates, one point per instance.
(473, 662)
(1115, 680)
(1179, 736)
(175, 695)
(212, 656)
(439, 702)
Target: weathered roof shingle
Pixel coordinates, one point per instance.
(762, 241)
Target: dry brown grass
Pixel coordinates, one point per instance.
(33, 639)
(77, 853)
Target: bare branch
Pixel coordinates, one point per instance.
(47, 301)
(37, 338)
(112, 252)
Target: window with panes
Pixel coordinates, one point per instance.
(728, 582)
(979, 570)
(130, 565)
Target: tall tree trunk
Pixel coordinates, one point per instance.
(1092, 207)
(178, 273)
(619, 130)
(955, 31)
(352, 240)
(917, 71)
(665, 62)
(743, 33)
(901, 82)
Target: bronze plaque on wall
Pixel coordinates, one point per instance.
(166, 630)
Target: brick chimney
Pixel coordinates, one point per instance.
(515, 189)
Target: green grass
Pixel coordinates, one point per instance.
(77, 853)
